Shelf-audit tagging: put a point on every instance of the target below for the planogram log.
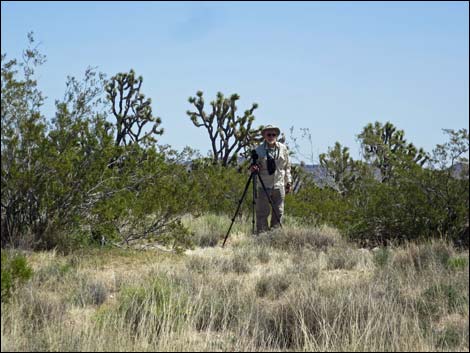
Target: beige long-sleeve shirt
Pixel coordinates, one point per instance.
(282, 175)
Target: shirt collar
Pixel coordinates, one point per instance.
(276, 144)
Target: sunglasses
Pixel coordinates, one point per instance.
(271, 135)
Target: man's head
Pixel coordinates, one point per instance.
(270, 133)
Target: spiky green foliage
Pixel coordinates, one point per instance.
(229, 133)
(385, 147)
(340, 167)
(131, 110)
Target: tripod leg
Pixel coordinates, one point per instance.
(253, 206)
(270, 200)
(238, 208)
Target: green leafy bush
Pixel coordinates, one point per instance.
(381, 257)
(15, 272)
(457, 263)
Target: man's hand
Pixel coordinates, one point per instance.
(254, 168)
(288, 188)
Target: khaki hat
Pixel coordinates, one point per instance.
(271, 127)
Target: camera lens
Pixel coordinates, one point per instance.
(271, 165)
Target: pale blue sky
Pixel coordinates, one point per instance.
(331, 67)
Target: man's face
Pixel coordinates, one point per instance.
(270, 136)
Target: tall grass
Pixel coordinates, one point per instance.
(293, 289)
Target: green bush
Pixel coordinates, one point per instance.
(219, 188)
(381, 257)
(457, 263)
(93, 180)
(313, 205)
(15, 272)
(439, 299)
(398, 194)
(449, 338)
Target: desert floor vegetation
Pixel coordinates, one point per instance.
(296, 288)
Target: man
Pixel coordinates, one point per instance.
(274, 169)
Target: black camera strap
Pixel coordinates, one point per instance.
(273, 152)
(271, 155)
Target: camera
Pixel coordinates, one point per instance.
(254, 157)
(271, 164)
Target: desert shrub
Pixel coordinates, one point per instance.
(15, 272)
(398, 194)
(220, 188)
(315, 206)
(450, 337)
(439, 299)
(382, 257)
(95, 179)
(457, 263)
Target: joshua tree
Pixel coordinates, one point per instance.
(228, 132)
(340, 167)
(131, 110)
(385, 146)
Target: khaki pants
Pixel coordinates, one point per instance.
(263, 208)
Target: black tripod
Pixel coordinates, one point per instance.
(253, 177)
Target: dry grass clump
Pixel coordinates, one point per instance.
(158, 305)
(272, 286)
(434, 254)
(90, 292)
(238, 262)
(451, 332)
(297, 238)
(221, 307)
(40, 308)
(342, 258)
